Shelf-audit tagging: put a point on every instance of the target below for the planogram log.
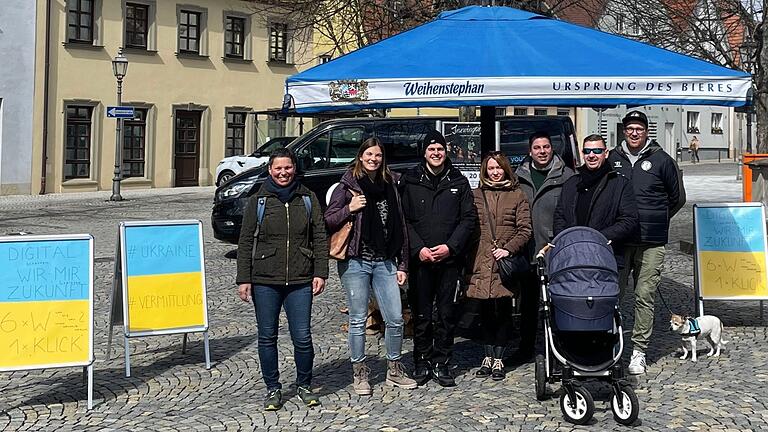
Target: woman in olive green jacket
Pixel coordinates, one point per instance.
(282, 261)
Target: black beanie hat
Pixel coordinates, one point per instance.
(434, 137)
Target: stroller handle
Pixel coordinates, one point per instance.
(543, 251)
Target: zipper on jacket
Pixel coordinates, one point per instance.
(287, 242)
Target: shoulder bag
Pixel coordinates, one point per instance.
(509, 267)
(339, 241)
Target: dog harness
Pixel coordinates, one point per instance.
(694, 330)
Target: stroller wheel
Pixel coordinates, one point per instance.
(630, 408)
(540, 369)
(583, 407)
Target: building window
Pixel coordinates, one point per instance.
(619, 23)
(501, 112)
(693, 122)
(539, 111)
(134, 144)
(80, 21)
(189, 32)
(77, 151)
(323, 59)
(521, 111)
(563, 112)
(278, 42)
(234, 37)
(717, 123)
(235, 134)
(136, 25)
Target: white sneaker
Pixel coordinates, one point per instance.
(637, 363)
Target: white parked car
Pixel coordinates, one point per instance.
(233, 165)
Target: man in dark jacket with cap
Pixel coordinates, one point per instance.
(440, 216)
(659, 194)
(600, 198)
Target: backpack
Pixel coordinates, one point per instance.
(261, 207)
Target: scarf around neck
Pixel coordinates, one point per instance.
(387, 240)
(284, 193)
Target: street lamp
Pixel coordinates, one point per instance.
(747, 51)
(119, 68)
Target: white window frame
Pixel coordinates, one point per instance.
(151, 24)
(202, 47)
(95, 146)
(98, 26)
(247, 35)
(289, 36)
(693, 123)
(717, 123)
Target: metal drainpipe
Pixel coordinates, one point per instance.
(45, 94)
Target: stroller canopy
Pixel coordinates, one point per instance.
(582, 264)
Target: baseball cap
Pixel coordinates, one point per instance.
(434, 137)
(635, 116)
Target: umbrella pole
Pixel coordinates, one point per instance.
(487, 129)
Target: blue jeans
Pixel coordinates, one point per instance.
(359, 277)
(297, 300)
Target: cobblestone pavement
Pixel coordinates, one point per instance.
(170, 391)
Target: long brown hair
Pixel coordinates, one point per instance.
(500, 159)
(357, 166)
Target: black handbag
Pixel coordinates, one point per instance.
(511, 266)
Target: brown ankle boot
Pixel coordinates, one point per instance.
(397, 376)
(360, 382)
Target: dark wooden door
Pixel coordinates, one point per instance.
(187, 148)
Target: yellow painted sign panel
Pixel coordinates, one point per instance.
(163, 278)
(46, 287)
(733, 274)
(165, 301)
(731, 250)
(44, 333)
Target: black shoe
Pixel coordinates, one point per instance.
(443, 376)
(485, 368)
(497, 371)
(422, 373)
(273, 401)
(306, 395)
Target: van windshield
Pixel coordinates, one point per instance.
(515, 134)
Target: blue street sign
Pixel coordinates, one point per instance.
(120, 112)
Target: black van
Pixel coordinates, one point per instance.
(325, 152)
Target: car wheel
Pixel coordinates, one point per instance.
(224, 177)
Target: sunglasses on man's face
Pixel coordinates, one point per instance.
(596, 151)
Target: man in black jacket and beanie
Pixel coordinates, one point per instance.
(599, 198)
(659, 194)
(440, 216)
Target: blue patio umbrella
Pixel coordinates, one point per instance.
(499, 56)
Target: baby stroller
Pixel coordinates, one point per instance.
(582, 325)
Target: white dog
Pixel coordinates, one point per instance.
(708, 326)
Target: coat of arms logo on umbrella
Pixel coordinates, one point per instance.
(348, 90)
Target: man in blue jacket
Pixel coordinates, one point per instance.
(659, 194)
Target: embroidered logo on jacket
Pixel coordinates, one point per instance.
(646, 165)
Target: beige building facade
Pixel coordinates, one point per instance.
(198, 72)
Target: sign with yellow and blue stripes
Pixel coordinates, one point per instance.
(731, 251)
(46, 301)
(163, 277)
